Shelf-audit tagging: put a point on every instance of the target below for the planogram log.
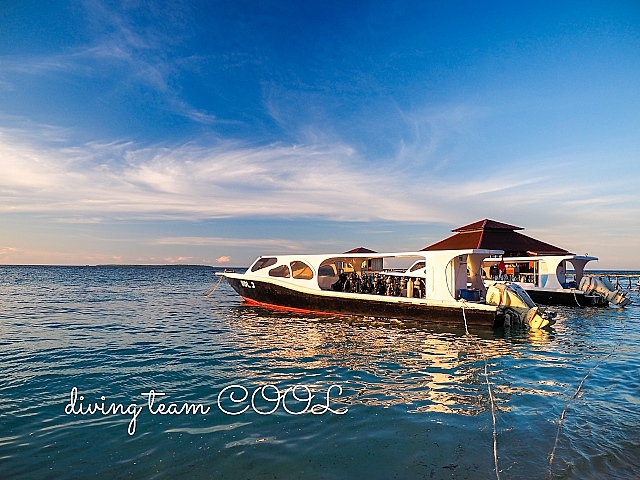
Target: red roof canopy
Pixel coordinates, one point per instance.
(360, 250)
(492, 235)
(486, 224)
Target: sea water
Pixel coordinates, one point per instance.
(131, 372)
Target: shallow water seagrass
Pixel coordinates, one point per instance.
(417, 397)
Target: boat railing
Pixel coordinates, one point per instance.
(514, 277)
(621, 281)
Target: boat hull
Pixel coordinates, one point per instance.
(567, 299)
(274, 295)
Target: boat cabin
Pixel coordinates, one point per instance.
(550, 271)
(526, 259)
(437, 275)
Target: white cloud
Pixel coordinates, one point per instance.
(189, 180)
(95, 181)
(49, 255)
(231, 242)
(181, 259)
(331, 181)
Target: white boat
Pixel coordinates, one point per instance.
(545, 278)
(436, 288)
(541, 269)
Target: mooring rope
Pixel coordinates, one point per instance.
(575, 297)
(210, 290)
(491, 400)
(575, 395)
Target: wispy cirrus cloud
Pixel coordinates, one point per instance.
(232, 179)
(283, 244)
(133, 50)
(200, 182)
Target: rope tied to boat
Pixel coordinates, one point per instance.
(491, 399)
(575, 297)
(575, 395)
(210, 290)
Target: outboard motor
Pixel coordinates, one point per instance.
(601, 286)
(518, 306)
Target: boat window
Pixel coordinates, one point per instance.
(327, 271)
(280, 271)
(375, 264)
(417, 266)
(264, 263)
(301, 270)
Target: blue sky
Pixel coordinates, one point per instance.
(212, 132)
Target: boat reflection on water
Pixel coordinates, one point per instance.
(384, 362)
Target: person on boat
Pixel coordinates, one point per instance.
(502, 268)
(494, 272)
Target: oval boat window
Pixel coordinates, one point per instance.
(327, 271)
(263, 263)
(280, 271)
(301, 270)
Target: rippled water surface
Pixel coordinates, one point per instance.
(417, 397)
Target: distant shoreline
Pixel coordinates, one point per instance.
(132, 265)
